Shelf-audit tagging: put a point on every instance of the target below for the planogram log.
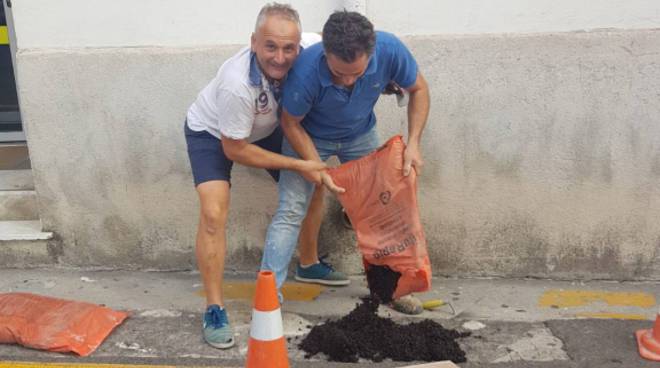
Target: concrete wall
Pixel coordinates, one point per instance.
(542, 150)
(129, 23)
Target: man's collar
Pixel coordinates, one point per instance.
(326, 76)
(255, 72)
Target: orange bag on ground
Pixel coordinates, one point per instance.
(382, 206)
(51, 324)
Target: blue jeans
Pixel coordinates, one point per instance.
(294, 196)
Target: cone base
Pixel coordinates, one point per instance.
(272, 354)
(645, 350)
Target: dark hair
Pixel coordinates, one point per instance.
(347, 35)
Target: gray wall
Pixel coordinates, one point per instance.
(542, 156)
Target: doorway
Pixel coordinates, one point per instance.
(13, 148)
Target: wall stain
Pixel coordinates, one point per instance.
(123, 236)
(593, 260)
(606, 167)
(509, 167)
(514, 248)
(160, 249)
(655, 165)
(55, 248)
(600, 255)
(243, 257)
(445, 244)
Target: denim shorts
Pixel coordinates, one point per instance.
(209, 162)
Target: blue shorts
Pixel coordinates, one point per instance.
(208, 160)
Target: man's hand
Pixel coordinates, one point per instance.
(310, 170)
(321, 177)
(412, 157)
(313, 177)
(326, 179)
(303, 166)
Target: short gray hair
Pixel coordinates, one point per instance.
(283, 10)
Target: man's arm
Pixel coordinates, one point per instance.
(418, 112)
(303, 145)
(297, 136)
(248, 154)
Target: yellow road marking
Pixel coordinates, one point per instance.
(76, 365)
(8, 364)
(294, 291)
(4, 35)
(578, 298)
(604, 315)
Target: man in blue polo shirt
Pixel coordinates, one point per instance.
(328, 104)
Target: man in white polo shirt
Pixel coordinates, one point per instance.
(235, 118)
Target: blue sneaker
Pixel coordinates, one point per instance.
(321, 273)
(216, 328)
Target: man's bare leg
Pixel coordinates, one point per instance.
(210, 251)
(211, 240)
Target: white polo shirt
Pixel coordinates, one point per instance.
(239, 102)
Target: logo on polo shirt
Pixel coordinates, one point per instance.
(261, 104)
(385, 197)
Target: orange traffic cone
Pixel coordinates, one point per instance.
(266, 347)
(648, 341)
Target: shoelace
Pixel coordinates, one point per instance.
(217, 318)
(322, 260)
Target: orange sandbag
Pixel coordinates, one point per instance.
(51, 324)
(382, 206)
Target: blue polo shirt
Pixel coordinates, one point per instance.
(335, 113)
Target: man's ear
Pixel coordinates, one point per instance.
(253, 41)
